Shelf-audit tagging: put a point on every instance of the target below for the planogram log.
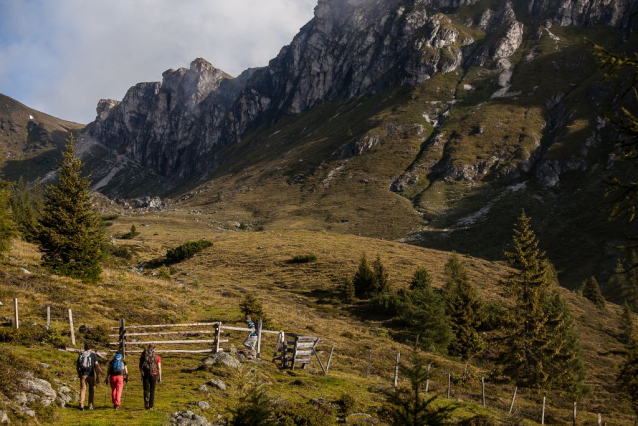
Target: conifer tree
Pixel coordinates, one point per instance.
(591, 290)
(540, 336)
(347, 290)
(7, 226)
(408, 406)
(364, 279)
(381, 277)
(464, 309)
(24, 205)
(71, 238)
(628, 377)
(421, 279)
(424, 311)
(254, 407)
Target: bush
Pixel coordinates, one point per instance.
(187, 250)
(304, 258)
(164, 273)
(296, 414)
(250, 305)
(390, 304)
(478, 420)
(29, 334)
(347, 404)
(130, 235)
(121, 252)
(109, 217)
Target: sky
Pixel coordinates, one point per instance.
(62, 56)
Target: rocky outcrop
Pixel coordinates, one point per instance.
(178, 128)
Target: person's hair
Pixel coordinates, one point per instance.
(151, 347)
(87, 346)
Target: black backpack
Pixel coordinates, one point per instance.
(149, 361)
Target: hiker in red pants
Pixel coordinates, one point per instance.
(117, 375)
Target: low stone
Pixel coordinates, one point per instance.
(188, 418)
(38, 390)
(217, 383)
(4, 418)
(203, 388)
(222, 358)
(25, 271)
(203, 405)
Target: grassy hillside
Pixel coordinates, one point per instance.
(30, 141)
(300, 298)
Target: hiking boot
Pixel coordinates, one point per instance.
(117, 407)
(81, 408)
(91, 407)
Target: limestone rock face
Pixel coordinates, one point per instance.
(177, 128)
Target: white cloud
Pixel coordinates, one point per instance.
(63, 56)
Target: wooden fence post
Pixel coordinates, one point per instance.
(71, 327)
(369, 364)
(543, 412)
(574, 418)
(396, 370)
(449, 384)
(260, 325)
(483, 390)
(48, 318)
(513, 399)
(16, 317)
(218, 335)
(330, 359)
(123, 337)
(427, 381)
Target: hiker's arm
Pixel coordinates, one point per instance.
(125, 373)
(98, 368)
(159, 368)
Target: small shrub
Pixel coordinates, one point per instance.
(478, 420)
(164, 273)
(130, 235)
(304, 258)
(187, 250)
(109, 217)
(346, 404)
(296, 414)
(121, 252)
(250, 305)
(348, 291)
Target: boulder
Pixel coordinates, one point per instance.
(38, 390)
(4, 418)
(217, 383)
(222, 358)
(203, 405)
(187, 418)
(203, 388)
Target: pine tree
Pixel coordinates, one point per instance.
(347, 290)
(408, 406)
(628, 377)
(424, 311)
(421, 279)
(464, 309)
(71, 238)
(381, 277)
(364, 279)
(250, 305)
(617, 285)
(540, 336)
(7, 226)
(591, 290)
(254, 407)
(24, 204)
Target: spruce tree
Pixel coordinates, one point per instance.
(591, 290)
(421, 279)
(24, 205)
(464, 309)
(254, 407)
(628, 377)
(71, 238)
(347, 290)
(364, 279)
(7, 226)
(381, 277)
(409, 406)
(424, 311)
(539, 337)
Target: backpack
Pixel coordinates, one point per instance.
(149, 361)
(117, 365)
(85, 362)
